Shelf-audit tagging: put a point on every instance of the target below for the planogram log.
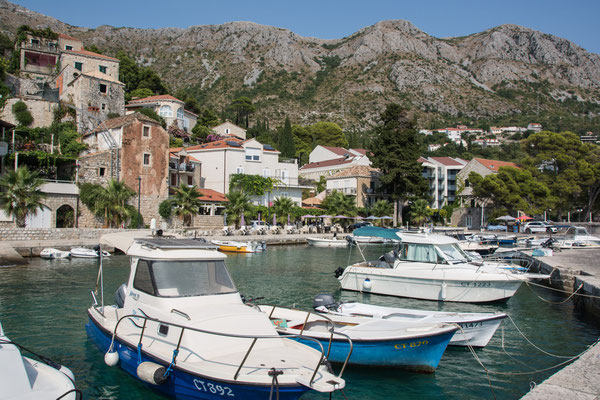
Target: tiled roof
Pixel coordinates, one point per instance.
(361, 151)
(65, 36)
(100, 75)
(91, 54)
(448, 161)
(493, 165)
(212, 195)
(340, 151)
(357, 170)
(328, 163)
(218, 144)
(122, 121)
(156, 98)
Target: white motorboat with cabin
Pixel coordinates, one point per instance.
(476, 329)
(51, 253)
(434, 267)
(577, 237)
(180, 325)
(23, 378)
(84, 252)
(325, 242)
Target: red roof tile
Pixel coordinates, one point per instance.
(91, 54)
(156, 98)
(212, 195)
(327, 163)
(340, 151)
(65, 36)
(447, 161)
(361, 151)
(493, 165)
(218, 144)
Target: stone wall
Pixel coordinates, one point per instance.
(42, 111)
(23, 234)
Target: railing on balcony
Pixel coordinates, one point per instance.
(47, 48)
(182, 167)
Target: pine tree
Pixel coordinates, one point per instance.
(286, 141)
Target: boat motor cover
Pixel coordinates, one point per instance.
(324, 300)
(120, 295)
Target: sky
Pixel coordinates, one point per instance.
(575, 20)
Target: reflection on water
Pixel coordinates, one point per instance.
(43, 306)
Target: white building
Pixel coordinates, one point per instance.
(170, 108)
(328, 161)
(441, 173)
(534, 126)
(226, 157)
(230, 129)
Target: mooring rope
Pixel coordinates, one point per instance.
(563, 291)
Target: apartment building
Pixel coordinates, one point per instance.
(441, 173)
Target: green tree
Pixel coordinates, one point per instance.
(395, 149)
(327, 134)
(208, 118)
(152, 114)
(337, 203)
(109, 202)
(286, 141)
(22, 114)
(420, 211)
(243, 108)
(140, 93)
(255, 185)
(21, 194)
(283, 206)
(239, 203)
(186, 203)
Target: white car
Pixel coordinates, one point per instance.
(539, 226)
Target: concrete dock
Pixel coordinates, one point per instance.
(577, 269)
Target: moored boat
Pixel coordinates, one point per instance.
(476, 329)
(324, 242)
(84, 252)
(51, 253)
(231, 246)
(434, 267)
(179, 324)
(23, 378)
(371, 342)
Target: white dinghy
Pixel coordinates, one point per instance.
(51, 253)
(23, 378)
(434, 267)
(324, 242)
(180, 325)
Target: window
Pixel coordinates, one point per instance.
(418, 253)
(146, 159)
(103, 69)
(239, 170)
(146, 131)
(79, 65)
(284, 194)
(252, 154)
(180, 113)
(35, 41)
(266, 172)
(284, 176)
(101, 171)
(103, 106)
(68, 47)
(227, 131)
(190, 180)
(143, 279)
(103, 88)
(165, 111)
(173, 179)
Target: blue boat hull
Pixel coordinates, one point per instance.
(184, 385)
(418, 354)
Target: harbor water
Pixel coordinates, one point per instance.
(43, 307)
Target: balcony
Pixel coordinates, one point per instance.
(46, 48)
(182, 167)
(350, 191)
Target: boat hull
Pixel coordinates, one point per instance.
(182, 384)
(421, 354)
(317, 242)
(468, 290)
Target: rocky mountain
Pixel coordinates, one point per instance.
(505, 71)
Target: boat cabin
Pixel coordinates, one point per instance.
(436, 249)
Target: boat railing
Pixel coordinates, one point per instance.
(183, 328)
(330, 328)
(521, 261)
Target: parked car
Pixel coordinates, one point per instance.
(539, 226)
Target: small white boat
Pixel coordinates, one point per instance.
(324, 242)
(84, 252)
(577, 237)
(367, 240)
(232, 246)
(434, 267)
(476, 329)
(51, 253)
(23, 378)
(179, 325)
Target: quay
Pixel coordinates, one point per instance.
(574, 270)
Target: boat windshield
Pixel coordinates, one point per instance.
(183, 278)
(419, 253)
(453, 253)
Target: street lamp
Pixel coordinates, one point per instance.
(139, 179)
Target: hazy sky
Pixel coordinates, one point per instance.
(575, 20)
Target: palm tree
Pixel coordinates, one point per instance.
(338, 203)
(21, 194)
(420, 211)
(110, 202)
(239, 203)
(283, 206)
(186, 203)
(382, 208)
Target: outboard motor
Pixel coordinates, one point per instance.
(324, 300)
(338, 272)
(120, 295)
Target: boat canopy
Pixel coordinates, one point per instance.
(386, 233)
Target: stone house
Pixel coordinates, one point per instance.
(328, 161)
(133, 149)
(359, 181)
(230, 129)
(170, 108)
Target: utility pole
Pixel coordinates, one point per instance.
(139, 179)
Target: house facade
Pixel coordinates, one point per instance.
(327, 161)
(441, 174)
(170, 108)
(133, 149)
(230, 129)
(223, 158)
(359, 181)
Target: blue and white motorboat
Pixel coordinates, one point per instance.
(367, 341)
(23, 378)
(180, 326)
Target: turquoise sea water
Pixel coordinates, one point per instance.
(43, 307)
